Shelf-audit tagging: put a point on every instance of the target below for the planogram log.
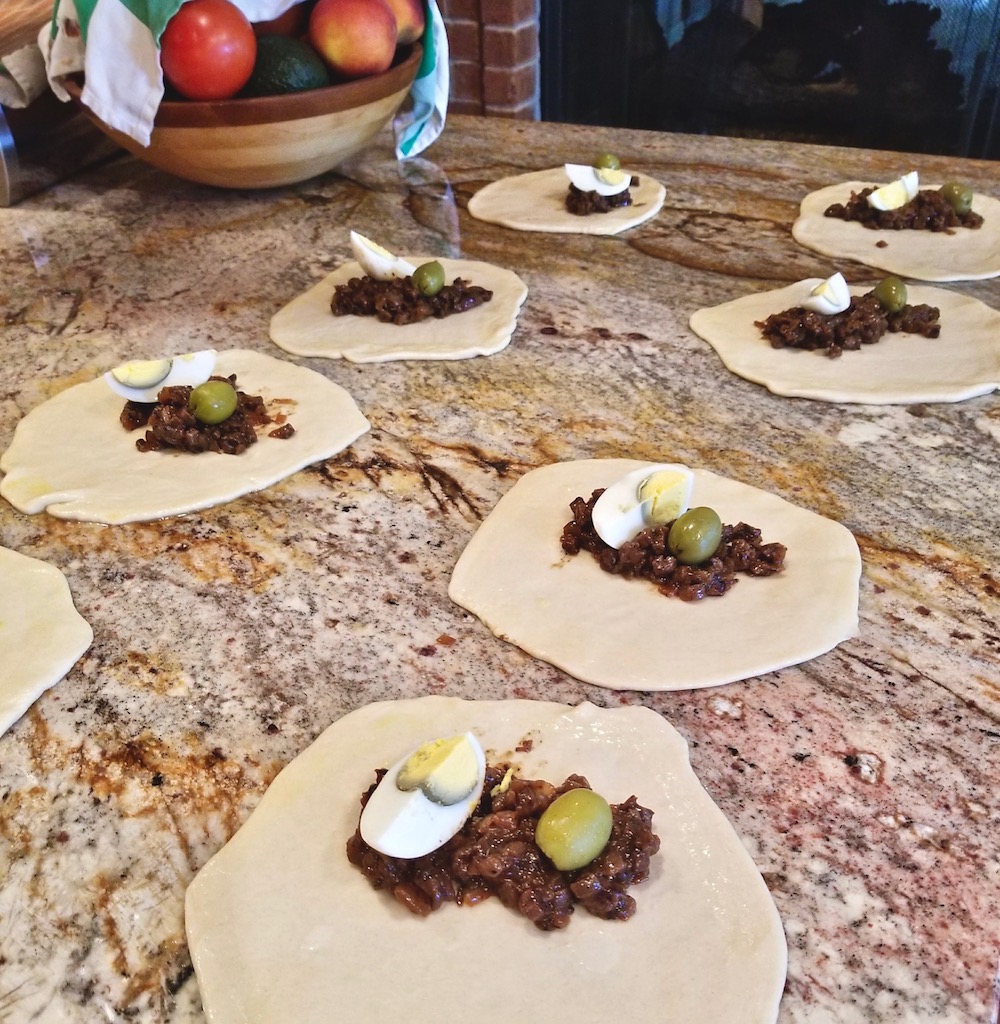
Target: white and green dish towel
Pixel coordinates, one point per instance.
(116, 44)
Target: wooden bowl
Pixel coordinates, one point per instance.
(269, 140)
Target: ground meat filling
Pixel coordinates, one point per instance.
(647, 555)
(864, 322)
(585, 203)
(170, 423)
(928, 210)
(399, 301)
(495, 855)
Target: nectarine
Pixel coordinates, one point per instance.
(355, 37)
(409, 20)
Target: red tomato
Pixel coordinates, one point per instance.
(207, 50)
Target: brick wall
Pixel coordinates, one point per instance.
(494, 57)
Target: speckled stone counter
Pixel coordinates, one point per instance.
(863, 782)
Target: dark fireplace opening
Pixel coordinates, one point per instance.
(905, 75)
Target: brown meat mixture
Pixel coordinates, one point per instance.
(399, 301)
(928, 210)
(864, 322)
(495, 854)
(585, 203)
(647, 555)
(170, 423)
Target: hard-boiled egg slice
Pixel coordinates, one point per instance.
(646, 497)
(829, 296)
(425, 798)
(896, 194)
(377, 262)
(128, 379)
(603, 180)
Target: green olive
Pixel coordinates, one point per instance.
(428, 278)
(609, 162)
(695, 535)
(959, 196)
(574, 828)
(891, 294)
(213, 401)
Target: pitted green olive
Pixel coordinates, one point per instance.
(959, 196)
(608, 161)
(891, 294)
(428, 278)
(213, 402)
(574, 828)
(695, 535)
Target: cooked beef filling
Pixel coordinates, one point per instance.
(585, 203)
(647, 555)
(495, 854)
(170, 423)
(928, 210)
(862, 323)
(400, 302)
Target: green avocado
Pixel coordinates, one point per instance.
(285, 65)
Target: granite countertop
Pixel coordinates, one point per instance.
(862, 782)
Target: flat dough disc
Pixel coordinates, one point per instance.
(966, 255)
(623, 634)
(536, 201)
(964, 361)
(282, 928)
(41, 634)
(94, 472)
(306, 326)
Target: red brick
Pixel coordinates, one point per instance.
(464, 106)
(463, 41)
(510, 47)
(510, 87)
(466, 81)
(525, 112)
(508, 12)
(467, 9)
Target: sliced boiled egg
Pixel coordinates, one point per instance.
(376, 262)
(896, 194)
(140, 380)
(829, 296)
(425, 798)
(651, 496)
(605, 181)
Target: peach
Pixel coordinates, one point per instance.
(409, 20)
(291, 23)
(355, 37)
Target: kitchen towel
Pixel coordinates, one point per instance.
(115, 43)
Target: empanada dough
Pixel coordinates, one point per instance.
(624, 634)
(282, 928)
(41, 634)
(306, 326)
(965, 255)
(71, 457)
(964, 361)
(536, 201)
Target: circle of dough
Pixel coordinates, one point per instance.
(963, 255)
(536, 201)
(306, 327)
(95, 473)
(624, 634)
(962, 362)
(282, 928)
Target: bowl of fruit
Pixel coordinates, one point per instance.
(259, 106)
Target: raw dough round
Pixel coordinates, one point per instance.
(71, 457)
(41, 634)
(536, 202)
(964, 361)
(965, 255)
(282, 928)
(306, 326)
(624, 634)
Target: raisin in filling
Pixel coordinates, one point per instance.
(647, 555)
(399, 301)
(582, 204)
